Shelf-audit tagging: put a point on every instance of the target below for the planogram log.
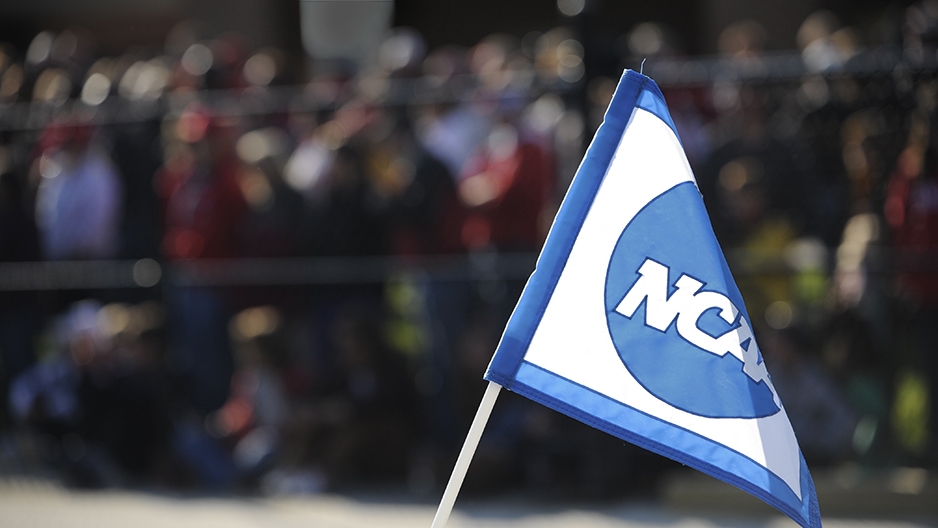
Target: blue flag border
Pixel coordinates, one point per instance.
(509, 369)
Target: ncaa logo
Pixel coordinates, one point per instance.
(677, 319)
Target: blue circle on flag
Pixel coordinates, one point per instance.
(674, 230)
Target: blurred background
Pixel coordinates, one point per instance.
(267, 248)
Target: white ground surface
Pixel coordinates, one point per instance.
(31, 505)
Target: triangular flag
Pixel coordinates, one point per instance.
(633, 324)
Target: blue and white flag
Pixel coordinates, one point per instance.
(633, 324)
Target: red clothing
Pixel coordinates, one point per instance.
(912, 213)
(522, 184)
(203, 208)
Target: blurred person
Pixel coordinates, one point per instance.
(450, 131)
(362, 424)
(203, 205)
(19, 311)
(44, 398)
(507, 189)
(912, 214)
(911, 211)
(820, 415)
(558, 130)
(762, 232)
(204, 211)
(79, 199)
(123, 393)
(138, 155)
(424, 218)
(423, 212)
(758, 192)
(506, 186)
(822, 132)
(274, 222)
(540, 119)
(750, 185)
(349, 222)
(865, 371)
(254, 419)
(104, 409)
(499, 456)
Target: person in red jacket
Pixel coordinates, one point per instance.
(911, 211)
(507, 186)
(203, 212)
(203, 205)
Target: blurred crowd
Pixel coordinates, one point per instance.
(822, 189)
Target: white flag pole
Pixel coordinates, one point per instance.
(465, 455)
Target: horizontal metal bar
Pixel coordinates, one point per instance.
(145, 273)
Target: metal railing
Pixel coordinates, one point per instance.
(147, 273)
(310, 271)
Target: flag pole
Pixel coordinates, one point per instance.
(465, 455)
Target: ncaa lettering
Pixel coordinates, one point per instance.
(687, 304)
